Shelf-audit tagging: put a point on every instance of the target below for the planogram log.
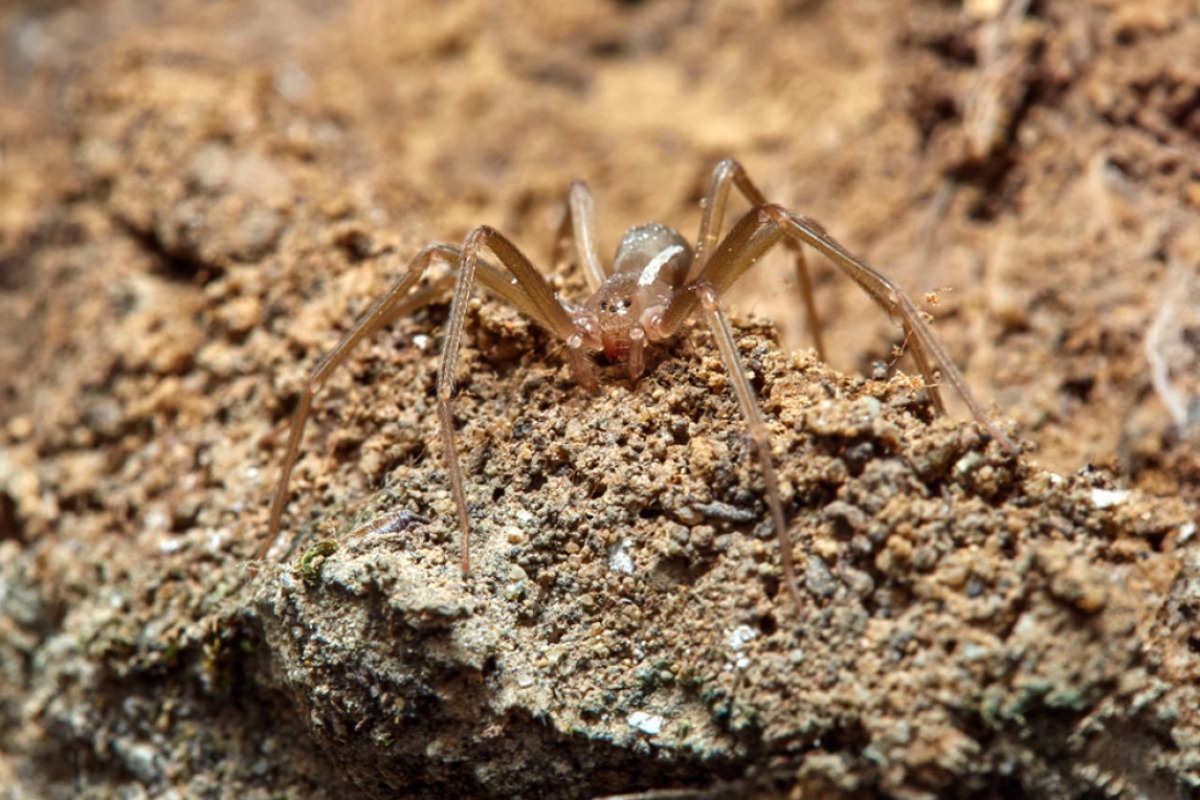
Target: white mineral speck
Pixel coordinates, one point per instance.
(649, 724)
(973, 652)
(157, 520)
(1104, 498)
(739, 636)
(292, 82)
(871, 406)
(619, 559)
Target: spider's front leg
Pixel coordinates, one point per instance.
(764, 227)
(525, 289)
(725, 175)
(529, 291)
(751, 237)
(719, 325)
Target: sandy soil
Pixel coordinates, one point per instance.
(197, 200)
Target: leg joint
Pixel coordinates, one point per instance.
(479, 237)
(707, 294)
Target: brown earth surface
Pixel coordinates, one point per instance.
(198, 199)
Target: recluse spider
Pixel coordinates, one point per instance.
(657, 282)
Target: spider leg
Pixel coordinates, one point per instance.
(764, 227)
(731, 173)
(754, 422)
(530, 293)
(579, 225)
(930, 354)
(394, 303)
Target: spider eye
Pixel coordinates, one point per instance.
(603, 306)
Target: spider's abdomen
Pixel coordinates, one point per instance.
(654, 252)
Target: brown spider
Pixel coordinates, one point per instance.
(655, 285)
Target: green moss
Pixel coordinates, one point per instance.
(309, 565)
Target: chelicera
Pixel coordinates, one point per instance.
(657, 283)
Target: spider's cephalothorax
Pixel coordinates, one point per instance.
(625, 312)
(657, 282)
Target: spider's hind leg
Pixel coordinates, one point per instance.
(397, 301)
